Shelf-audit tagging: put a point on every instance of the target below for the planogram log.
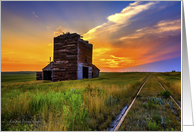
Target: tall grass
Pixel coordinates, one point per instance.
(88, 104)
(48, 104)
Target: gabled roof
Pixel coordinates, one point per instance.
(48, 67)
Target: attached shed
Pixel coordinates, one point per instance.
(47, 72)
(39, 76)
(72, 59)
(95, 71)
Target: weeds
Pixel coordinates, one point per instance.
(76, 115)
(163, 123)
(144, 105)
(156, 117)
(158, 100)
(150, 103)
(88, 104)
(165, 93)
(110, 101)
(172, 82)
(168, 120)
(152, 126)
(156, 106)
(171, 104)
(138, 96)
(146, 117)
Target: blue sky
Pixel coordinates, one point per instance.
(124, 34)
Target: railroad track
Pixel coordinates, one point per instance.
(170, 95)
(120, 121)
(118, 124)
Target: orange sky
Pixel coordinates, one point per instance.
(119, 41)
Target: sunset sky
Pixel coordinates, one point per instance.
(126, 35)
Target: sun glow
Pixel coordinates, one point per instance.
(136, 34)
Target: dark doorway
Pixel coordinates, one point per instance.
(85, 72)
(47, 75)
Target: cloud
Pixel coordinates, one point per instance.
(100, 51)
(50, 44)
(169, 27)
(59, 30)
(117, 21)
(9, 60)
(123, 48)
(130, 11)
(34, 14)
(7, 53)
(115, 62)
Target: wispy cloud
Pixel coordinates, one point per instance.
(143, 45)
(116, 62)
(7, 53)
(59, 31)
(118, 20)
(9, 60)
(170, 27)
(130, 11)
(50, 44)
(34, 14)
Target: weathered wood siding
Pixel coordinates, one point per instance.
(71, 54)
(49, 67)
(95, 71)
(39, 76)
(84, 58)
(65, 57)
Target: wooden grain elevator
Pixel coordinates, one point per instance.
(72, 60)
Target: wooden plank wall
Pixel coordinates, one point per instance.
(71, 54)
(49, 67)
(95, 71)
(84, 58)
(39, 76)
(65, 57)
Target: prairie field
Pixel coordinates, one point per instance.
(152, 111)
(11, 77)
(87, 104)
(90, 104)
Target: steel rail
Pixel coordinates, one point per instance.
(123, 117)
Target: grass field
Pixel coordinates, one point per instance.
(172, 82)
(11, 77)
(152, 112)
(87, 104)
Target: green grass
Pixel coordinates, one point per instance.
(152, 126)
(165, 93)
(11, 77)
(151, 111)
(87, 104)
(172, 82)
